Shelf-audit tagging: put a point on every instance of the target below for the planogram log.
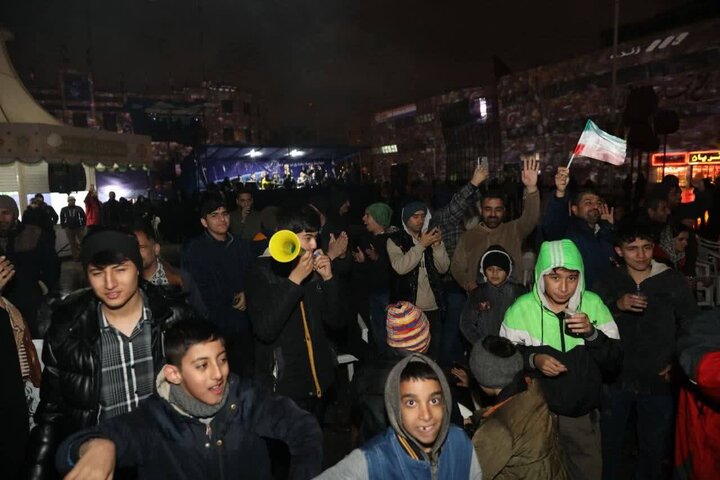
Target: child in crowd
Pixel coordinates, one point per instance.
(515, 438)
(203, 423)
(407, 331)
(486, 306)
(420, 442)
(569, 341)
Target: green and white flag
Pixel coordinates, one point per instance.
(600, 145)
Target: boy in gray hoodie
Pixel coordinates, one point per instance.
(420, 442)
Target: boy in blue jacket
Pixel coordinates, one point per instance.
(420, 443)
(203, 423)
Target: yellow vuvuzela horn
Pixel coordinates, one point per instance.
(284, 246)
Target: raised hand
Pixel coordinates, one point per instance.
(337, 247)
(433, 237)
(372, 253)
(358, 255)
(562, 179)
(479, 175)
(7, 272)
(303, 268)
(323, 265)
(530, 174)
(607, 214)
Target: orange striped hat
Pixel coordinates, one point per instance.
(407, 327)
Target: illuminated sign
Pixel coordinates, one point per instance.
(671, 158)
(700, 157)
(396, 112)
(704, 157)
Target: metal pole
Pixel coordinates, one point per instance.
(664, 157)
(613, 84)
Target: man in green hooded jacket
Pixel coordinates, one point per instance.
(569, 341)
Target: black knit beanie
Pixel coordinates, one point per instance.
(110, 241)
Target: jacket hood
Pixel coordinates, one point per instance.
(560, 253)
(428, 217)
(163, 390)
(494, 249)
(392, 402)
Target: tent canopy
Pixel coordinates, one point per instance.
(30, 134)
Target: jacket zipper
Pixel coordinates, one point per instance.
(434, 469)
(562, 333)
(98, 378)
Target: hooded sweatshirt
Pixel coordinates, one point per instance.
(417, 269)
(395, 454)
(531, 324)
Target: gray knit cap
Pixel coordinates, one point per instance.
(493, 371)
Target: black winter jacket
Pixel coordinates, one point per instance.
(596, 248)
(160, 442)
(274, 307)
(32, 253)
(648, 338)
(70, 390)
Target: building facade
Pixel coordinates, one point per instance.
(438, 138)
(212, 113)
(543, 110)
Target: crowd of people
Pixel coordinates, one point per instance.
(562, 340)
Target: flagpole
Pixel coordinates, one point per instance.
(572, 157)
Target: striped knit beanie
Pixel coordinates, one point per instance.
(407, 327)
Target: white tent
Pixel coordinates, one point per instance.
(30, 138)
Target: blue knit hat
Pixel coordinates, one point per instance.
(411, 208)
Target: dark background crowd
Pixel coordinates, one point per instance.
(455, 259)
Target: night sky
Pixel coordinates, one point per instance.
(346, 58)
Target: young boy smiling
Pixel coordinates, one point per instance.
(420, 442)
(203, 423)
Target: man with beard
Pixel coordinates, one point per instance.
(493, 231)
(590, 226)
(174, 282)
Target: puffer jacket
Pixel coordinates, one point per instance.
(70, 389)
(516, 439)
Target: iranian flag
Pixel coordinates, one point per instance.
(594, 143)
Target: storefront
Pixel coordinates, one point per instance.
(685, 165)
